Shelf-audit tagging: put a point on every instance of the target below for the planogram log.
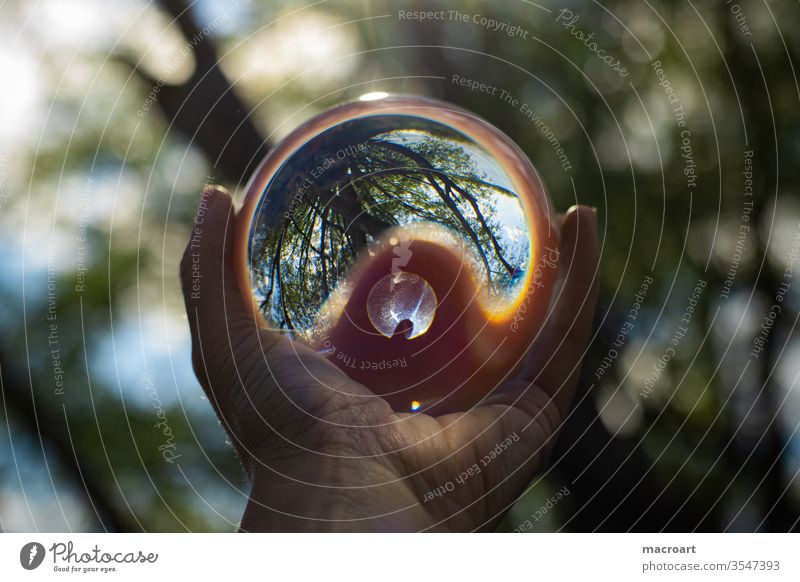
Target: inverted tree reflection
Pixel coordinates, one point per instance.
(343, 189)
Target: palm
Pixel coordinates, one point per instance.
(320, 409)
(294, 415)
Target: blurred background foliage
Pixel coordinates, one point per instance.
(114, 114)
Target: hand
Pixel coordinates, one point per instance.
(324, 453)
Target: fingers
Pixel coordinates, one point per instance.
(207, 273)
(215, 308)
(556, 361)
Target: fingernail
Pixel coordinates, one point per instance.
(590, 216)
(213, 191)
(593, 209)
(210, 195)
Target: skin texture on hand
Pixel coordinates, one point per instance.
(325, 454)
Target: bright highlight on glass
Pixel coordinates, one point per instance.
(374, 96)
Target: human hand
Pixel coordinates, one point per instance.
(325, 454)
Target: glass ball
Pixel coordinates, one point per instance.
(409, 241)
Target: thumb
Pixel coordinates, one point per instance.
(556, 363)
